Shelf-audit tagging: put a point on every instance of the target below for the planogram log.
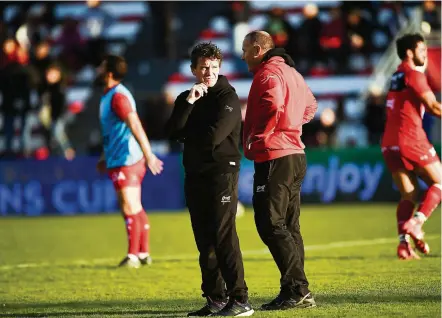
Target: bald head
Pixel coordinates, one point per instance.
(261, 38)
(255, 46)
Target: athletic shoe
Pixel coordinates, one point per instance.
(283, 302)
(422, 246)
(414, 227)
(235, 309)
(209, 308)
(146, 261)
(406, 252)
(130, 263)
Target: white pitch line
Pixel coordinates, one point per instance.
(185, 257)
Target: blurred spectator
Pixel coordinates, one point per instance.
(309, 49)
(163, 13)
(95, 21)
(72, 45)
(320, 133)
(333, 40)
(239, 15)
(156, 111)
(8, 53)
(240, 12)
(15, 88)
(281, 31)
(359, 32)
(52, 114)
(397, 19)
(375, 117)
(31, 32)
(431, 14)
(40, 63)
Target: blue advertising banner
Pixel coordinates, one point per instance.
(57, 186)
(338, 175)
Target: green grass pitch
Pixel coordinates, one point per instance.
(66, 266)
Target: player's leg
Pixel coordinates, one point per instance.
(406, 182)
(139, 171)
(213, 285)
(129, 198)
(432, 175)
(144, 252)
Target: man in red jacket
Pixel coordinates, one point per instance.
(279, 103)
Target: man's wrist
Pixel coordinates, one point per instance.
(190, 100)
(148, 155)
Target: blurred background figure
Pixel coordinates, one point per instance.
(72, 45)
(96, 22)
(15, 87)
(53, 113)
(309, 50)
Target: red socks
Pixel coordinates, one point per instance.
(133, 233)
(404, 212)
(138, 230)
(430, 201)
(144, 232)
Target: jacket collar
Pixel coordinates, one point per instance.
(221, 83)
(281, 53)
(277, 54)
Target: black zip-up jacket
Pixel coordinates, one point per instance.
(209, 129)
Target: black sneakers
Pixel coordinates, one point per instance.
(283, 303)
(210, 308)
(235, 309)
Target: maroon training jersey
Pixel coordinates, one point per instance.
(404, 108)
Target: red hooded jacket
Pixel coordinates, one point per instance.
(279, 103)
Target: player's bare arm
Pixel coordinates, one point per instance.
(431, 104)
(154, 164)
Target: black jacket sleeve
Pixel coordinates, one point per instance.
(175, 126)
(227, 118)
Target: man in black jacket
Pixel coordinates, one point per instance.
(207, 119)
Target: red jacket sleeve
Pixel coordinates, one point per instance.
(271, 100)
(121, 106)
(417, 81)
(310, 108)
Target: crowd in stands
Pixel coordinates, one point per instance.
(39, 60)
(348, 38)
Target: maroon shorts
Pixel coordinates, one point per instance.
(128, 176)
(409, 157)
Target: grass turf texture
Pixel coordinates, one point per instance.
(65, 266)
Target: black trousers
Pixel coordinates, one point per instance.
(276, 201)
(212, 202)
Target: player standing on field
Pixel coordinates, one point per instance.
(407, 152)
(126, 154)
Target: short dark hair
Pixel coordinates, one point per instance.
(116, 65)
(407, 42)
(207, 50)
(263, 39)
